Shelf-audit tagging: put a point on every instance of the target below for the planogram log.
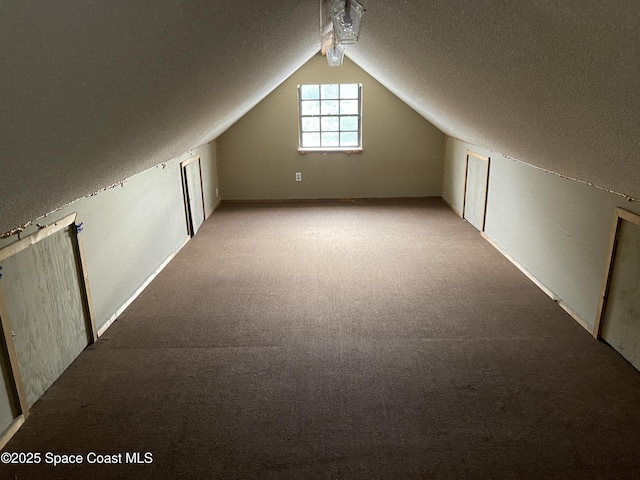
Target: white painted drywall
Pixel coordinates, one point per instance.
(210, 185)
(131, 229)
(556, 228)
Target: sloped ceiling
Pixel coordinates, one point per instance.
(554, 84)
(94, 91)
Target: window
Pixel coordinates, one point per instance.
(330, 116)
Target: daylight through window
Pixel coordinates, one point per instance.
(330, 116)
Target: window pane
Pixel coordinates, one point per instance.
(348, 123)
(349, 139)
(349, 106)
(309, 92)
(309, 107)
(330, 115)
(330, 91)
(310, 124)
(310, 140)
(330, 140)
(330, 124)
(329, 107)
(349, 90)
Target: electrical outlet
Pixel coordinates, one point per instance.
(217, 195)
(298, 176)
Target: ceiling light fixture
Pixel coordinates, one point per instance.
(335, 54)
(346, 16)
(339, 26)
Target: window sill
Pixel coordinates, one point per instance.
(347, 151)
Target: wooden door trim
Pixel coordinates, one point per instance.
(183, 175)
(471, 153)
(17, 385)
(41, 234)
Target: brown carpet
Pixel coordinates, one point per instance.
(341, 340)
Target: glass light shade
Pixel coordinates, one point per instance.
(335, 54)
(346, 25)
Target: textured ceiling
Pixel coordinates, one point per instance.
(554, 84)
(92, 92)
(95, 91)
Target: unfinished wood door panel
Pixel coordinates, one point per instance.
(44, 296)
(620, 317)
(8, 411)
(194, 199)
(475, 195)
(13, 402)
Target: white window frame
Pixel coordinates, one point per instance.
(320, 116)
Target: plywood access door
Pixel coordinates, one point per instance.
(475, 193)
(9, 403)
(43, 286)
(619, 313)
(45, 313)
(193, 194)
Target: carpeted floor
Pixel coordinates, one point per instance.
(341, 340)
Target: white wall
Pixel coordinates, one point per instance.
(210, 183)
(131, 229)
(556, 228)
(129, 233)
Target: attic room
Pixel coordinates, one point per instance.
(189, 290)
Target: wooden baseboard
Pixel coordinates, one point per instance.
(540, 285)
(458, 212)
(135, 294)
(215, 206)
